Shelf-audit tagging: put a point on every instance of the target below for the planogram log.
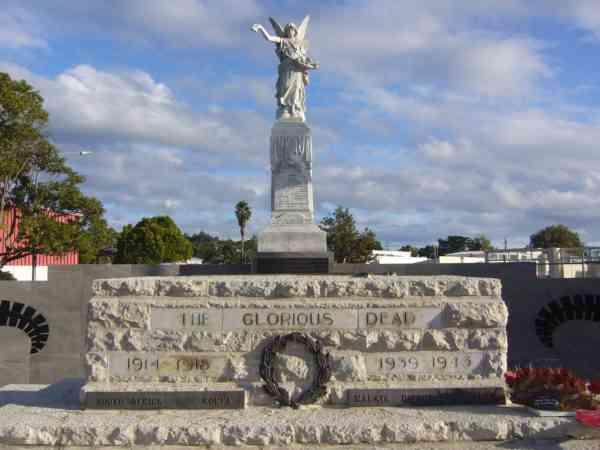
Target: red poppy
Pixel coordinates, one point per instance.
(511, 377)
(590, 418)
(595, 386)
(565, 377)
(525, 372)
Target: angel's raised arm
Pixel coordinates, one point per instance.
(257, 27)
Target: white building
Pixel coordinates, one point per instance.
(394, 257)
(25, 273)
(473, 256)
(515, 255)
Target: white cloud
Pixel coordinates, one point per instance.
(507, 195)
(584, 14)
(436, 150)
(137, 180)
(504, 173)
(189, 22)
(500, 67)
(172, 203)
(427, 119)
(152, 153)
(437, 43)
(16, 27)
(196, 23)
(87, 103)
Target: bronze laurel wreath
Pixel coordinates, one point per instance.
(267, 371)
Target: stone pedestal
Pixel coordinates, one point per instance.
(293, 238)
(292, 228)
(197, 342)
(292, 200)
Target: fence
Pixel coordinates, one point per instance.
(581, 262)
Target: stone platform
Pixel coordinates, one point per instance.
(50, 416)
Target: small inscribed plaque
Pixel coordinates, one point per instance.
(425, 397)
(165, 400)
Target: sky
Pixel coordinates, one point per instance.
(430, 117)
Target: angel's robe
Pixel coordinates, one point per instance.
(293, 78)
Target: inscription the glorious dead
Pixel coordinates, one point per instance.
(236, 319)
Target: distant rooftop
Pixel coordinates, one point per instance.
(469, 253)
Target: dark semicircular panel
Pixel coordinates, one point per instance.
(28, 319)
(566, 308)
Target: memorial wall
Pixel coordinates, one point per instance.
(369, 340)
(63, 301)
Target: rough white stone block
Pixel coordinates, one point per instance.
(205, 332)
(307, 238)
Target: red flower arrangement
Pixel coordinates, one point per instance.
(527, 385)
(594, 387)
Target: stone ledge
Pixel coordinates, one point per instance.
(175, 387)
(46, 416)
(549, 444)
(353, 302)
(552, 444)
(290, 286)
(256, 396)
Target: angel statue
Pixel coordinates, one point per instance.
(294, 65)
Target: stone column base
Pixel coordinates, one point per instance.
(293, 262)
(292, 249)
(292, 238)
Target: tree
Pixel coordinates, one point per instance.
(205, 247)
(251, 248)
(42, 210)
(243, 214)
(555, 236)
(414, 251)
(342, 234)
(152, 240)
(98, 236)
(367, 242)
(230, 250)
(429, 251)
(344, 240)
(212, 250)
(453, 244)
(6, 276)
(481, 242)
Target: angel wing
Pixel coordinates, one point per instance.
(277, 28)
(303, 28)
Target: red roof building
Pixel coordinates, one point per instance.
(71, 257)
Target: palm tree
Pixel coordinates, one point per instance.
(243, 214)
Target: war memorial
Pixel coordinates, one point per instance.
(291, 355)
